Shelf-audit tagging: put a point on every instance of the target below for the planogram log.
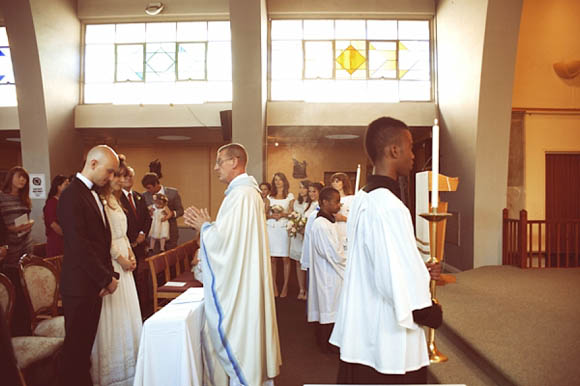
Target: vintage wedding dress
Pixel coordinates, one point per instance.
(116, 345)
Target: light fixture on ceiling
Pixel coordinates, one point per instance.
(154, 9)
(174, 137)
(341, 136)
(276, 144)
(13, 139)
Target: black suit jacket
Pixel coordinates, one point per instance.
(139, 223)
(87, 267)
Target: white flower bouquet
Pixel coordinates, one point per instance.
(296, 224)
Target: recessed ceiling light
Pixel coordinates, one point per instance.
(174, 137)
(13, 139)
(341, 136)
(276, 144)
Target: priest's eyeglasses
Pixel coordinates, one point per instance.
(219, 162)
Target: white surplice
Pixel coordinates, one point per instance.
(385, 281)
(305, 259)
(327, 264)
(239, 295)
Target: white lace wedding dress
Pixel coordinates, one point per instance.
(116, 345)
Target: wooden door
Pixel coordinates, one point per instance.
(562, 208)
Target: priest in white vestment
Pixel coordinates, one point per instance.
(385, 298)
(239, 296)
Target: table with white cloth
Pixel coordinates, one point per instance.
(172, 341)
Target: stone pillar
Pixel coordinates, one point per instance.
(249, 25)
(45, 44)
(475, 80)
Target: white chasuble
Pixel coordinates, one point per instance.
(239, 296)
(385, 280)
(327, 264)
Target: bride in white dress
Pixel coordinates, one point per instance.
(114, 355)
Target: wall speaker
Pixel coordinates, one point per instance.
(226, 121)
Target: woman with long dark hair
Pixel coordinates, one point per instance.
(341, 182)
(299, 206)
(277, 221)
(54, 241)
(116, 345)
(15, 206)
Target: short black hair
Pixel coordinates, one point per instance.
(150, 179)
(380, 133)
(267, 185)
(327, 193)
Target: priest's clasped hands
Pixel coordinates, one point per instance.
(195, 217)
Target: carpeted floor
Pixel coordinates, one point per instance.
(526, 323)
(302, 361)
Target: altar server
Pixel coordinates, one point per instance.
(327, 266)
(237, 277)
(385, 297)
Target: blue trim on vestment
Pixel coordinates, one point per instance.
(223, 338)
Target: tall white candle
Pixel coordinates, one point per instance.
(357, 178)
(435, 168)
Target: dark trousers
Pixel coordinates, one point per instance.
(323, 332)
(357, 374)
(81, 318)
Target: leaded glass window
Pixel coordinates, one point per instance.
(152, 63)
(350, 60)
(7, 87)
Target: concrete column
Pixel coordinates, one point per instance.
(45, 44)
(475, 81)
(249, 25)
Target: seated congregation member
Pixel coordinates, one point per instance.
(311, 212)
(15, 206)
(341, 182)
(54, 242)
(239, 299)
(386, 280)
(327, 263)
(138, 225)
(299, 207)
(114, 354)
(151, 183)
(277, 221)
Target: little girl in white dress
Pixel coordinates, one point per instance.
(159, 224)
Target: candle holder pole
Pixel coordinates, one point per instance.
(435, 356)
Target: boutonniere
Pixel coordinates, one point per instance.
(138, 198)
(103, 200)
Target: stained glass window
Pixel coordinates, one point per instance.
(350, 60)
(7, 87)
(167, 62)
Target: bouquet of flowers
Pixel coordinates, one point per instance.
(296, 224)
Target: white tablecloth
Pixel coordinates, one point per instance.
(170, 352)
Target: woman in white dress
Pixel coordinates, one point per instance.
(300, 205)
(116, 345)
(277, 221)
(341, 182)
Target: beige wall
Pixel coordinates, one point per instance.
(319, 157)
(185, 167)
(549, 33)
(545, 133)
(134, 9)
(335, 8)
(475, 77)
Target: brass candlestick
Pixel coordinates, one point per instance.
(435, 356)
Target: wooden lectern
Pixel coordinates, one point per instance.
(423, 205)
